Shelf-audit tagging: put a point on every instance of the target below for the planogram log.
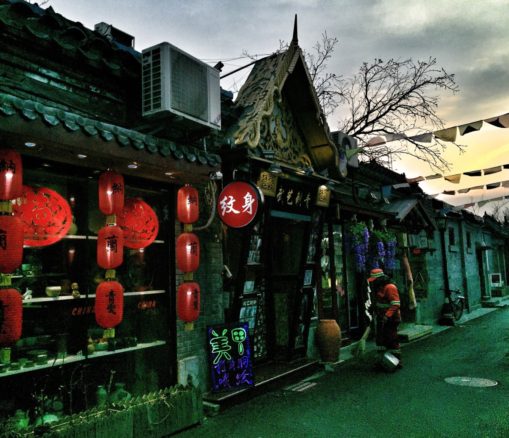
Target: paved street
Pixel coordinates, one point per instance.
(355, 400)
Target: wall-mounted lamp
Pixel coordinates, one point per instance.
(275, 169)
(331, 185)
(133, 165)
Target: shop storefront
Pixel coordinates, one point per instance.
(94, 329)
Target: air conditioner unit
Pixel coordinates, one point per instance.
(348, 143)
(174, 82)
(496, 280)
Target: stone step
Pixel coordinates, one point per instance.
(411, 332)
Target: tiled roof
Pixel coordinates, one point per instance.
(29, 110)
(67, 36)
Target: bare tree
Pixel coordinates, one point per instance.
(500, 211)
(391, 98)
(394, 97)
(327, 85)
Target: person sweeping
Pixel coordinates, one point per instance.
(387, 311)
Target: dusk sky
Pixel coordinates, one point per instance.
(468, 38)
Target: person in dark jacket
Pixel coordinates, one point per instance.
(387, 310)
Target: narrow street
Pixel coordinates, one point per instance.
(355, 400)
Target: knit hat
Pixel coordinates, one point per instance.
(375, 273)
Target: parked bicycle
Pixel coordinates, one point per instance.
(457, 301)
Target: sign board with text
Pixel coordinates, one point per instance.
(229, 355)
(238, 204)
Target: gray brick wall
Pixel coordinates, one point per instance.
(191, 345)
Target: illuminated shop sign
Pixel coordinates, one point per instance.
(238, 204)
(229, 356)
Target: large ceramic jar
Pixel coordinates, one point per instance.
(328, 338)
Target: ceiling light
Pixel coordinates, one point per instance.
(133, 165)
(169, 173)
(30, 144)
(46, 165)
(81, 156)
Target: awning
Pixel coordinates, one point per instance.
(61, 135)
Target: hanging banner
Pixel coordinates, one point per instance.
(238, 204)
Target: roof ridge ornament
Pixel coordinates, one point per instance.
(295, 39)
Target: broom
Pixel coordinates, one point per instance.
(360, 347)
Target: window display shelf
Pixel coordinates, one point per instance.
(82, 297)
(91, 237)
(140, 346)
(78, 358)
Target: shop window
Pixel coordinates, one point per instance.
(469, 241)
(63, 356)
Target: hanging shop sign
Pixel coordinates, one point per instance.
(46, 215)
(267, 182)
(229, 356)
(323, 196)
(139, 223)
(238, 204)
(294, 197)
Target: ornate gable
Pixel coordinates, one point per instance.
(280, 114)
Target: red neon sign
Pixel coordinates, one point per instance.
(238, 204)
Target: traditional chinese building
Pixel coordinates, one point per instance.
(71, 106)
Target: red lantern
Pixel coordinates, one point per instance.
(188, 301)
(110, 247)
(188, 252)
(187, 205)
(11, 174)
(139, 223)
(11, 243)
(109, 304)
(111, 192)
(46, 215)
(11, 316)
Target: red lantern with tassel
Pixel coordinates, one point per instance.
(188, 302)
(11, 174)
(11, 316)
(187, 204)
(110, 247)
(11, 243)
(109, 304)
(188, 252)
(111, 192)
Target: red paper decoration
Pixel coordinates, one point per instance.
(188, 252)
(11, 243)
(187, 205)
(46, 216)
(109, 304)
(11, 316)
(111, 192)
(11, 174)
(188, 301)
(110, 247)
(139, 223)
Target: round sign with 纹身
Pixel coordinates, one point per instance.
(139, 222)
(45, 214)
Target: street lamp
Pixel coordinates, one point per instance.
(447, 317)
